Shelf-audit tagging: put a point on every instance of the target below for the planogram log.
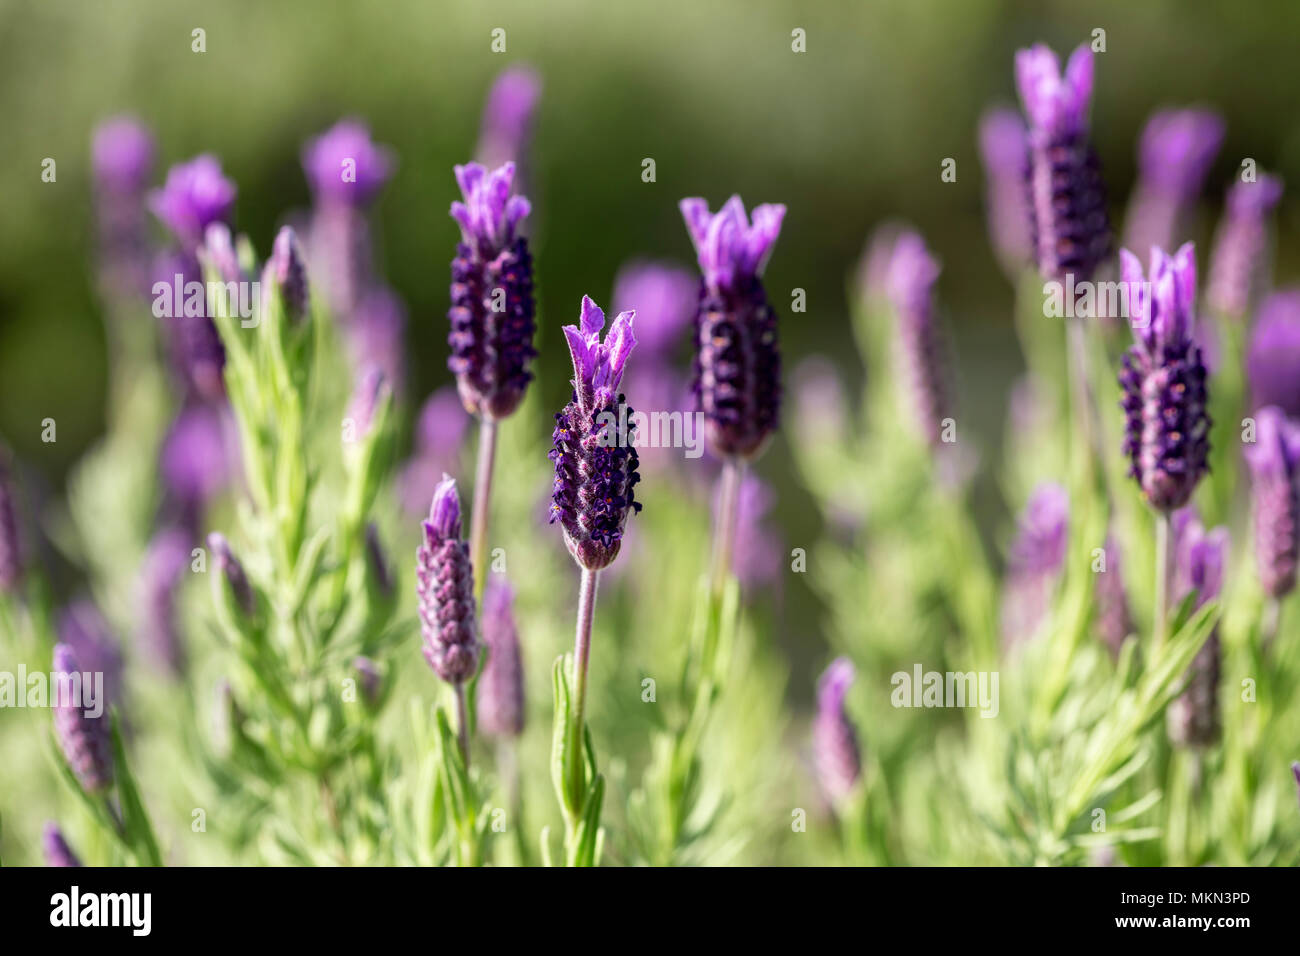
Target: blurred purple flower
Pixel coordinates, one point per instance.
(1274, 461)
(199, 457)
(377, 338)
(501, 685)
(1004, 148)
(663, 297)
(1035, 563)
(1175, 153)
(85, 740)
(56, 849)
(1241, 260)
(161, 574)
(508, 117)
(756, 558)
(439, 437)
(195, 194)
(1193, 718)
(122, 156)
(1273, 361)
(835, 742)
(919, 346)
(344, 165)
(83, 630)
(1114, 619)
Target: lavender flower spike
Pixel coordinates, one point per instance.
(492, 312)
(508, 117)
(345, 167)
(11, 556)
(1274, 358)
(737, 368)
(445, 586)
(912, 273)
(1274, 462)
(161, 574)
(286, 274)
(835, 742)
(1035, 563)
(195, 195)
(501, 687)
(1163, 380)
(122, 158)
(1114, 619)
(595, 461)
(85, 740)
(1240, 262)
(1004, 149)
(1174, 157)
(1193, 717)
(1070, 230)
(229, 568)
(57, 851)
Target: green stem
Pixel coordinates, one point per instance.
(724, 531)
(1162, 578)
(462, 724)
(581, 656)
(478, 524)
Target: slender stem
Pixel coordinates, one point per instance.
(462, 723)
(724, 529)
(1268, 627)
(1162, 577)
(478, 522)
(581, 655)
(1080, 394)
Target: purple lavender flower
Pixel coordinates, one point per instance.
(1274, 462)
(122, 157)
(1114, 619)
(11, 553)
(345, 166)
(1295, 772)
(501, 687)
(439, 439)
(1035, 563)
(227, 566)
(377, 564)
(371, 390)
(737, 368)
(377, 339)
(835, 742)
(197, 354)
(1198, 566)
(1274, 358)
(1163, 380)
(1070, 230)
(197, 459)
(1175, 153)
(508, 117)
(161, 573)
(595, 461)
(57, 851)
(445, 586)
(1004, 147)
(663, 297)
(492, 312)
(195, 194)
(920, 355)
(874, 263)
(1239, 265)
(84, 631)
(85, 740)
(286, 274)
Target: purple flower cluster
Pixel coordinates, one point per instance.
(501, 686)
(444, 583)
(85, 740)
(1239, 264)
(1163, 380)
(56, 849)
(508, 117)
(1035, 563)
(919, 348)
(1175, 153)
(165, 564)
(1198, 567)
(122, 157)
(1004, 149)
(1274, 462)
(835, 742)
(1273, 360)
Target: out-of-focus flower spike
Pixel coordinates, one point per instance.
(508, 117)
(1113, 617)
(1004, 149)
(286, 275)
(56, 849)
(84, 739)
(1035, 563)
(501, 687)
(161, 573)
(1273, 361)
(1175, 153)
(835, 742)
(1274, 461)
(1240, 263)
(1199, 557)
(122, 156)
(919, 347)
(195, 195)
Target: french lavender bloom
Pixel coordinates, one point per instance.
(835, 742)
(1114, 619)
(85, 740)
(161, 573)
(595, 461)
(286, 273)
(919, 348)
(1198, 566)
(1035, 563)
(444, 583)
(346, 171)
(198, 458)
(11, 553)
(1163, 380)
(492, 310)
(1174, 156)
(377, 338)
(439, 438)
(1273, 362)
(508, 117)
(83, 630)
(197, 354)
(56, 849)
(1070, 231)
(737, 366)
(195, 195)
(1239, 264)
(501, 686)
(1274, 461)
(371, 389)
(663, 296)
(122, 157)
(1004, 148)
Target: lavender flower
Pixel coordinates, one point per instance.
(439, 438)
(286, 274)
(1114, 619)
(757, 558)
(1035, 563)
(835, 742)
(122, 156)
(501, 687)
(1163, 380)
(1274, 462)
(11, 554)
(492, 312)
(228, 568)
(377, 569)
(161, 573)
(445, 586)
(737, 368)
(197, 354)
(821, 408)
(195, 194)
(1004, 148)
(197, 459)
(664, 297)
(1175, 153)
(85, 740)
(84, 631)
(57, 851)
(1198, 566)
(912, 273)
(1295, 771)
(1070, 230)
(371, 390)
(376, 338)
(1240, 262)
(595, 463)
(508, 117)
(1274, 357)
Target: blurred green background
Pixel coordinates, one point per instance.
(847, 134)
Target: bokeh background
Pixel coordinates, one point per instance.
(848, 134)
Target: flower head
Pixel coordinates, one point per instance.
(663, 297)
(195, 195)
(11, 555)
(1174, 155)
(1004, 148)
(595, 461)
(84, 739)
(732, 253)
(1056, 103)
(1035, 562)
(445, 587)
(835, 742)
(122, 155)
(286, 274)
(56, 849)
(1193, 718)
(161, 573)
(501, 687)
(343, 165)
(508, 116)
(1239, 265)
(1273, 361)
(919, 352)
(1163, 379)
(1274, 462)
